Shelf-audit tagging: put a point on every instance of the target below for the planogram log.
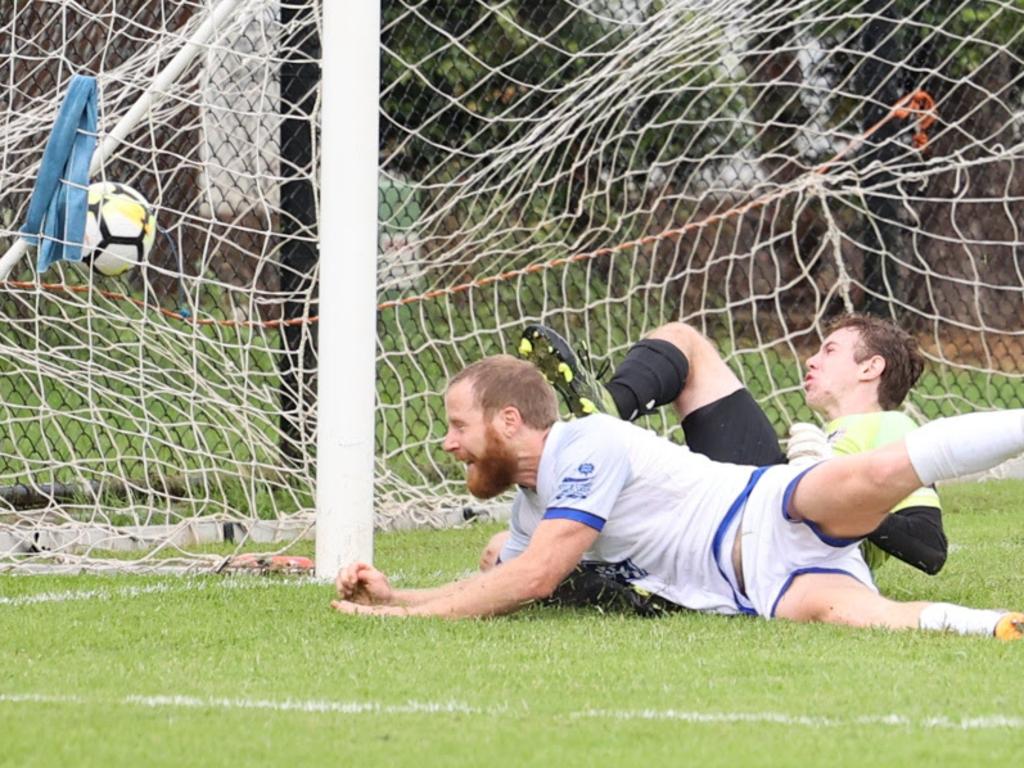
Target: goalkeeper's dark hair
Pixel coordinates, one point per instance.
(503, 380)
(903, 359)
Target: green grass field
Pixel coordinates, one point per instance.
(101, 671)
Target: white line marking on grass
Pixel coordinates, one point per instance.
(988, 722)
(84, 594)
(315, 705)
(285, 705)
(980, 723)
(73, 595)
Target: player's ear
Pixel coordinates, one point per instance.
(873, 367)
(511, 419)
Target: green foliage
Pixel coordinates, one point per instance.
(453, 92)
(464, 84)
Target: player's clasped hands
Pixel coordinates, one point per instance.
(362, 589)
(362, 583)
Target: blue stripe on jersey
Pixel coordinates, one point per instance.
(801, 572)
(789, 493)
(716, 543)
(832, 541)
(564, 513)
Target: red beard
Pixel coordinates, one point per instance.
(493, 472)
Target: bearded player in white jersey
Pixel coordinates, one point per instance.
(776, 541)
(862, 372)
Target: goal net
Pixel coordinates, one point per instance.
(602, 166)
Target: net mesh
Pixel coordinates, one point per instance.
(173, 408)
(752, 168)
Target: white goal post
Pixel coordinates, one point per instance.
(348, 276)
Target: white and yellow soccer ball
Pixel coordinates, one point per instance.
(120, 228)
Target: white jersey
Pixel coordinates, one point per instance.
(663, 512)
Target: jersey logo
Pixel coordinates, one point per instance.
(574, 488)
(578, 486)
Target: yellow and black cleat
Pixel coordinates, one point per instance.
(562, 368)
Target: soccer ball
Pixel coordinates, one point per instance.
(120, 228)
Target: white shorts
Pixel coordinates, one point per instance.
(777, 549)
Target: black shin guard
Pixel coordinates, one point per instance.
(653, 374)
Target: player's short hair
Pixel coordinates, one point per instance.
(503, 380)
(903, 359)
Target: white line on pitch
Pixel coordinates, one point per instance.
(986, 722)
(977, 723)
(244, 581)
(285, 705)
(73, 595)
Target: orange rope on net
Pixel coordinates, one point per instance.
(918, 105)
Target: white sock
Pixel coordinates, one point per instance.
(960, 445)
(946, 617)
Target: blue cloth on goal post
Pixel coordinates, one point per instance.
(60, 199)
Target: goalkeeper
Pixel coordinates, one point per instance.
(862, 372)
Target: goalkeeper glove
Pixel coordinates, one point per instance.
(807, 445)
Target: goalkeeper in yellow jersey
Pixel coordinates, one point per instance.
(862, 372)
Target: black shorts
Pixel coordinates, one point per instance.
(733, 429)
